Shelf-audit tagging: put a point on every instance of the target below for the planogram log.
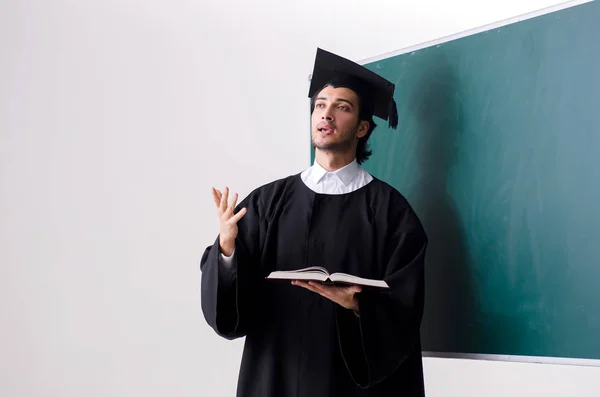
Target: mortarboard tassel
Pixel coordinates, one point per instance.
(393, 114)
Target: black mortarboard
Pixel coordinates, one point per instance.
(372, 88)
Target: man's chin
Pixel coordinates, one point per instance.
(324, 146)
(330, 146)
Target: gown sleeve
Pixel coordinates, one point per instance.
(226, 288)
(375, 344)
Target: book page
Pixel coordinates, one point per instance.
(349, 279)
(314, 273)
(318, 269)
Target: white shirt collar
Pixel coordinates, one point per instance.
(345, 174)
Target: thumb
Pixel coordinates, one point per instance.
(239, 215)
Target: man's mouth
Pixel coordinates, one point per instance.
(325, 129)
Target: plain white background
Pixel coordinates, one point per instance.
(116, 119)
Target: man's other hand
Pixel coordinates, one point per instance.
(342, 295)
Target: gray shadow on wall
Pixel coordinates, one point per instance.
(451, 307)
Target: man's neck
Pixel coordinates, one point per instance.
(333, 161)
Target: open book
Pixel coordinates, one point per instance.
(317, 273)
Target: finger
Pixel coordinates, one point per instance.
(355, 288)
(306, 285)
(239, 215)
(224, 198)
(322, 289)
(338, 294)
(216, 197)
(300, 283)
(234, 201)
(231, 205)
(331, 292)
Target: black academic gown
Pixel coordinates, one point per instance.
(298, 343)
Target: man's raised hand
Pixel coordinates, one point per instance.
(227, 219)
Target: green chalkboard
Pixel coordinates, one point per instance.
(498, 150)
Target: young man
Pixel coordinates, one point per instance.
(308, 339)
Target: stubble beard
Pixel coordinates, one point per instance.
(341, 146)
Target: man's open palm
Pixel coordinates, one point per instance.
(227, 219)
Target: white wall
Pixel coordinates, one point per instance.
(116, 118)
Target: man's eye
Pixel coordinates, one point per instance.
(320, 105)
(344, 108)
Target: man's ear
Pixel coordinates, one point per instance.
(363, 128)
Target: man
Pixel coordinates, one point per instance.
(313, 339)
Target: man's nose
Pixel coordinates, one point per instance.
(327, 115)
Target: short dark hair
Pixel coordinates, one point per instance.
(365, 113)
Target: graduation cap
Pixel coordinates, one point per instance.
(374, 91)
